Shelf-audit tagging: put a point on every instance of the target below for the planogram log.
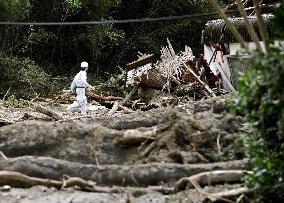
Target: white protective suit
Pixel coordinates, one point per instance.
(80, 84)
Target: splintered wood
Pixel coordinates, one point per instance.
(162, 74)
(170, 71)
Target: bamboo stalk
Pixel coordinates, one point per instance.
(249, 26)
(261, 25)
(232, 28)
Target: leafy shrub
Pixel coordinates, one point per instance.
(261, 100)
(23, 76)
(113, 86)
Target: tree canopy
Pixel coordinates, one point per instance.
(59, 49)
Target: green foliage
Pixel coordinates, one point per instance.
(23, 76)
(16, 102)
(100, 44)
(75, 3)
(13, 11)
(278, 20)
(150, 37)
(113, 86)
(105, 47)
(261, 100)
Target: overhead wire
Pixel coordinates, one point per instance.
(103, 22)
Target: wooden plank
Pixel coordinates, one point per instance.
(141, 61)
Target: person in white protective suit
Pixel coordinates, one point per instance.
(80, 84)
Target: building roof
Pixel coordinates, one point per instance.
(213, 29)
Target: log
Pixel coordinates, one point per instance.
(122, 175)
(121, 104)
(141, 61)
(94, 96)
(208, 178)
(113, 109)
(58, 139)
(127, 98)
(48, 112)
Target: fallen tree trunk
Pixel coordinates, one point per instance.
(71, 140)
(123, 175)
(94, 96)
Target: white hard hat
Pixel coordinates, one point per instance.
(84, 64)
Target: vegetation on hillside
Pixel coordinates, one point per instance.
(58, 50)
(261, 100)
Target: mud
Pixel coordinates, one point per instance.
(46, 195)
(189, 132)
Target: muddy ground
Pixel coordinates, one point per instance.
(172, 130)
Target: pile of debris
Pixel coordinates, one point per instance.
(172, 71)
(145, 156)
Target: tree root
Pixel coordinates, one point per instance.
(20, 179)
(213, 177)
(224, 195)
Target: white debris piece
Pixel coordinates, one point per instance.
(134, 75)
(169, 67)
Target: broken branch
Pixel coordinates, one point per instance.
(3, 155)
(206, 178)
(94, 96)
(48, 112)
(16, 178)
(198, 79)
